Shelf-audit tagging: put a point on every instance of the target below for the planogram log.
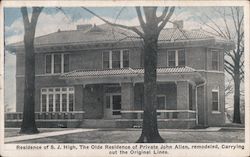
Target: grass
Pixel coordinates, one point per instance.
(130, 136)
(11, 132)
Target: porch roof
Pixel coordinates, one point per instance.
(124, 71)
(131, 75)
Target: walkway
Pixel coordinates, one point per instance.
(46, 134)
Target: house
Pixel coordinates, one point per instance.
(93, 77)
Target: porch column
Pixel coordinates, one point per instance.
(182, 98)
(127, 91)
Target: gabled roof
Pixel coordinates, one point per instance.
(106, 33)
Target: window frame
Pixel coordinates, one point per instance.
(53, 63)
(110, 60)
(176, 57)
(218, 100)
(46, 91)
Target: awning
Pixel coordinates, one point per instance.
(136, 75)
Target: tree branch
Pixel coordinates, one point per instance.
(226, 24)
(166, 19)
(217, 26)
(231, 55)
(229, 68)
(140, 18)
(25, 17)
(35, 13)
(218, 33)
(229, 64)
(242, 64)
(163, 15)
(229, 72)
(234, 20)
(134, 29)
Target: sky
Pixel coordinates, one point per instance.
(52, 19)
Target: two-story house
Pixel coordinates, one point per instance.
(93, 77)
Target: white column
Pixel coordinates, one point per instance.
(182, 98)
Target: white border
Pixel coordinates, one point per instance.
(8, 147)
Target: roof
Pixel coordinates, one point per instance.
(78, 74)
(107, 33)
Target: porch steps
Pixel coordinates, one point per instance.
(98, 123)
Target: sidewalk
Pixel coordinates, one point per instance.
(129, 135)
(46, 134)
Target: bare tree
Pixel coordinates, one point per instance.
(28, 123)
(232, 28)
(228, 87)
(151, 26)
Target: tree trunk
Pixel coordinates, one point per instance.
(28, 124)
(236, 117)
(150, 133)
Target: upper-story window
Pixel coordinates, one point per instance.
(215, 60)
(176, 58)
(57, 63)
(115, 59)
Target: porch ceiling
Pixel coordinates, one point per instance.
(131, 75)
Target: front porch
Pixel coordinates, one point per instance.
(114, 98)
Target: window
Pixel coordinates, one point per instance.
(56, 63)
(171, 58)
(181, 58)
(57, 99)
(176, 58)
(115, 59)
(215, 100)
(48, 64)
(64, 102)
(71, 102)
(215, 60)
(66, 63)
(58, 96)
(125, 58)
(44, 102)
(161, 102)
(50, 102)
(105, 60)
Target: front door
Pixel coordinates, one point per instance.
(112, 106)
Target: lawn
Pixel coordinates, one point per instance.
(10, 132)
(131, 135)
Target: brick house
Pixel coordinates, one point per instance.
(93, 77)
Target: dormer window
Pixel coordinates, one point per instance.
(176, 58)
(115, 59)
(56, 63)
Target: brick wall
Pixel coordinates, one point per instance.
(215, 81)
(167, 89)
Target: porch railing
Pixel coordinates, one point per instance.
(162, 114)
(47, 115)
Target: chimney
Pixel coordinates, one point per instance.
(178, 24)
(83, 27)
